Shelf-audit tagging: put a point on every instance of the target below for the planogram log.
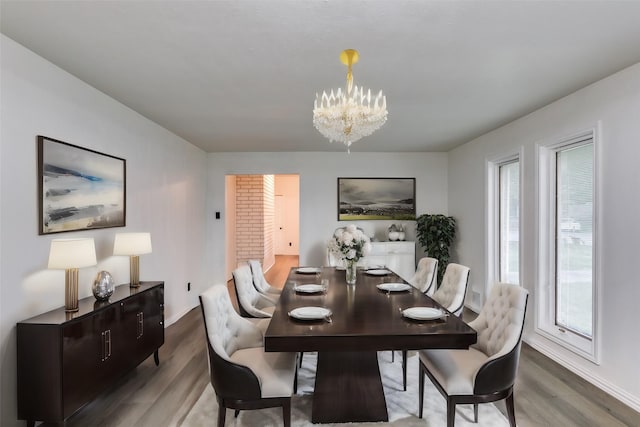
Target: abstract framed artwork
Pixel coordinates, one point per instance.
(376, 198)
(79, 189)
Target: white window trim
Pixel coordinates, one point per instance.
(492, 210)
(545, 253)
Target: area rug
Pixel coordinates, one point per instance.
(401, 405)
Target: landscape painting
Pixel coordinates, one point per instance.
(80, 189)
(376, 198)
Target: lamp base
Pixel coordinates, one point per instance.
(134, 271)
(71, 290)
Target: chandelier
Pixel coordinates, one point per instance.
(350, 115)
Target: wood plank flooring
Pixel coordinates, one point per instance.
(546, 394)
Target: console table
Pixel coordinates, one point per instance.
(399, 256)
(66, 359)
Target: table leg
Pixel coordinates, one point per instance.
(348, 388)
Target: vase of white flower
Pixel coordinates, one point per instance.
(350, 244)
(351, 271)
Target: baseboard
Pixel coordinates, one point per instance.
(177, 316)
(611, 389)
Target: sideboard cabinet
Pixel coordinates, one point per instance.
(399, 256)
(66, 359)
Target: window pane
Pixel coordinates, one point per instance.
(574, 253)
(510, 222)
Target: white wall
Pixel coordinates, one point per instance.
(318, 191)
(288, 188)
(166, 191)
(229, 215)
(615, 101)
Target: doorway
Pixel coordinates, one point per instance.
(262, 218)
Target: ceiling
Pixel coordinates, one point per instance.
(240, 75)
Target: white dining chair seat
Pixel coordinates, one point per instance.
(275, 371)
(455, 370)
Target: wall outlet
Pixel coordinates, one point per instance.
(188, 286)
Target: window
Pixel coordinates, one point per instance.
(574, 239)
(567, 307)
(503, 221)
(509, 222)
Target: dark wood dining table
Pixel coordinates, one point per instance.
(364, 320)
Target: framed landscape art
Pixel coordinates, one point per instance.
(376, 198)
(79, 189)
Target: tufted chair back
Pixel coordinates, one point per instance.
(250, 301)
(453, 288)
(260, 282)
(425, 276)
(499, 326)
(227, 331)
(258, 276)
(500, 321)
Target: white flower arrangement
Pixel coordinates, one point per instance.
(349, 243)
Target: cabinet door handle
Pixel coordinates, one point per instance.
(104, 349)
(140, 324)
(106, 344)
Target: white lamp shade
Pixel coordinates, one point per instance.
(132, 244)
(72, 253)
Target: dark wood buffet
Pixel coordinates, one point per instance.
(66, 359)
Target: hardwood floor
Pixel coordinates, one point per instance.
(546, 394)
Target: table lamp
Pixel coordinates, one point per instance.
(70, 255)
(132, 244)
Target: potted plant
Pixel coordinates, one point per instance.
(435, 234)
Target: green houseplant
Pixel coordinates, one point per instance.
(435, 234)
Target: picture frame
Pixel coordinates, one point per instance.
(376, 199)
(79, 188)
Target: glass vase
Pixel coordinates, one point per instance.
(351, 271)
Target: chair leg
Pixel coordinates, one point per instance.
(221, 413)
(236, 413)
(475, 412)
(295, 381)
(286, 413)
(300, 362)
(404, 369)
(393, 356)
(511, 411)
(420, 391)
(451, 412)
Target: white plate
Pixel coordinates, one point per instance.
(423, 313)
(308, 270)
(378, 272)
(393, 287)
(309, 288)
(310, 313)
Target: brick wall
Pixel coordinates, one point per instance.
(255, 218)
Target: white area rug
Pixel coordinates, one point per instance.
(401, 405)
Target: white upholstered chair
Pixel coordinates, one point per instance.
(426, 275)
(243, 375)
(251, 303)
(486, 371)
(424, 279)
(260, 282)
(453, 288)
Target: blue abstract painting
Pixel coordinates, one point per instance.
(80, 188)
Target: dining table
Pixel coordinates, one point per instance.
(347, 324)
